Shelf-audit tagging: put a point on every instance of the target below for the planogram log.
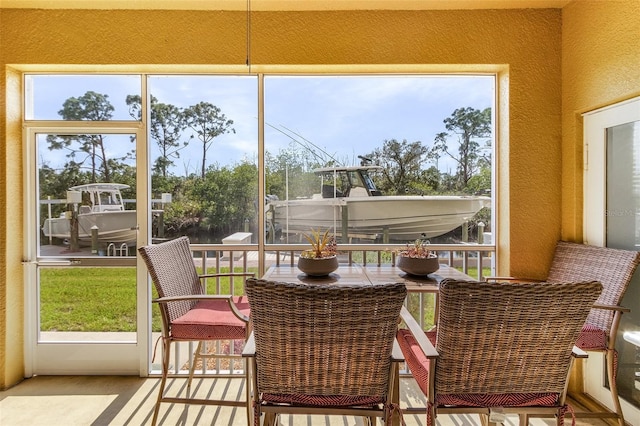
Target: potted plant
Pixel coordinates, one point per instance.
(417, 259)
(321, 259)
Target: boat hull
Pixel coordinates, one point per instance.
(398, 218)
(113, 227)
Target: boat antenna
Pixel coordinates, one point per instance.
(306, 144)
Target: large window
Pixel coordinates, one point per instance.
(379, 158)
(375, 158)
(80, 97)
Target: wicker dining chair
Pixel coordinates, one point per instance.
(614, 268)
(500, 348)
(324, 349)
(190, 315)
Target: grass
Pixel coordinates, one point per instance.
(88, 299)
(473, 272)
(104, 299)
(97, 299)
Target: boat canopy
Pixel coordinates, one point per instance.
(103, 197)
(99, 187)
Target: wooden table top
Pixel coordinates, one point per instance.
(369, 274)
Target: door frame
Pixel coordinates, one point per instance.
(595, 197)
(84, 357)
(595, 161)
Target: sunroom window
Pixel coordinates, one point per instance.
(373, 158)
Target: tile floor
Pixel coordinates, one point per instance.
(120, 401)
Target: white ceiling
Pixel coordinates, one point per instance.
(285, 4)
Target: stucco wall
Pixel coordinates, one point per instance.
(600, 66)
(11, 281)
(524, 44)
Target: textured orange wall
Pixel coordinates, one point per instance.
(524, 44)
(526, 41)
(600, 66)
(11, 280)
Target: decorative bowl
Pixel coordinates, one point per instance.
(318, 267)
(417, 266)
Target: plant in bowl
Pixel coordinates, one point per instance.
(321, 259)
(417, 259)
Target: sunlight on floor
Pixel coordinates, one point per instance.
(117, 400)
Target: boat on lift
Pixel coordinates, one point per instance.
(102, 206)
(349, 203)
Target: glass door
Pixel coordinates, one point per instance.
(87, 307)
(612, 219)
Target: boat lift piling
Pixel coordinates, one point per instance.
(94, 239)
(345, 224)
(74, 198)
(49, 212)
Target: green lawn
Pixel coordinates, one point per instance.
(104, 299)
(94, 299)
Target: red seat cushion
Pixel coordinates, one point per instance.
(499, 400)
(323, 400)
(419, 366)
(211, 319)
(414, 357)
(592, 337)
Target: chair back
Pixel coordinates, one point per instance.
(173, 273)
(324, 339)
(508, 338)
(614, 268)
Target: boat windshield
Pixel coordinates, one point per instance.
(335, 184)
(368, 183)
(358, 188)
(108, 198)
(348, 183)
(109, 201)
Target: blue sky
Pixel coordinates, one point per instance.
(345, 116)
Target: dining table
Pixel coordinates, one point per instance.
(356, 273)
(364, 274)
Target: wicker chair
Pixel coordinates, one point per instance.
(501, 348)
(324, 349)
(614, 268)
(188, 314)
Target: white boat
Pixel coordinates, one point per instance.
(349, 202)
(102, 207)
